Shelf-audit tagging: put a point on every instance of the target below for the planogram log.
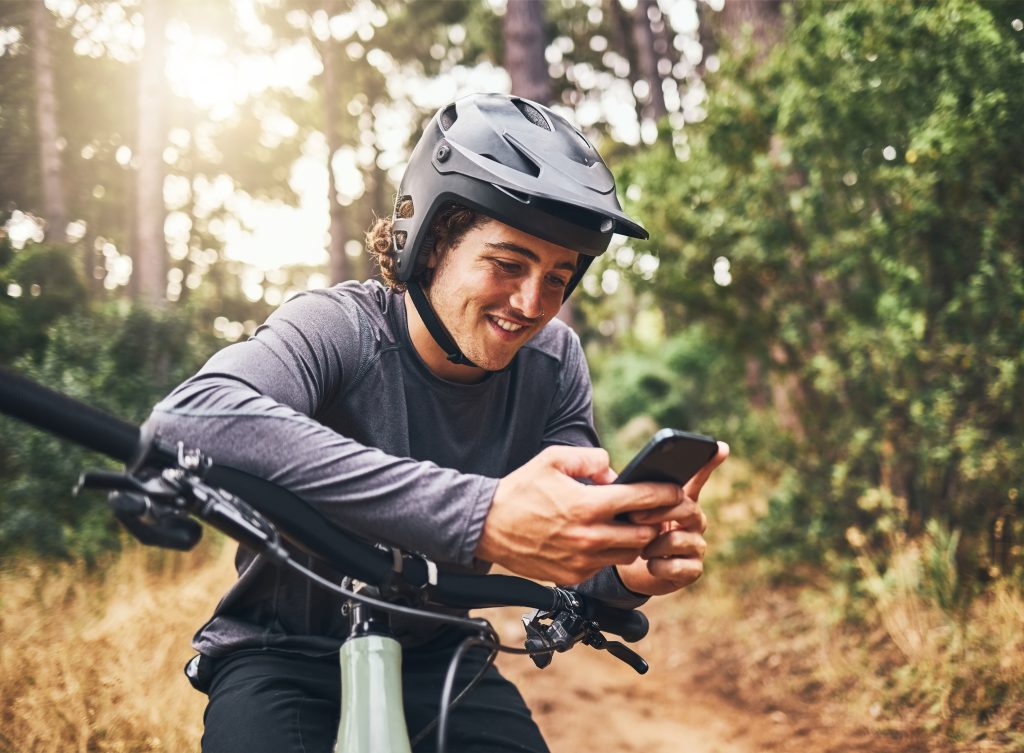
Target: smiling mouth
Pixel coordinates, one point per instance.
(506, 324)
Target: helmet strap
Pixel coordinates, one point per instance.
(434, 326)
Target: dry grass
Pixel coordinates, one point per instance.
(91, 661)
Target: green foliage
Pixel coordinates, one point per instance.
(685, 382)
(50, 287)
(865, 188)
(120, 359)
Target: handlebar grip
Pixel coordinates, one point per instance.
(630, 624)
(66, 417)
(482, 591)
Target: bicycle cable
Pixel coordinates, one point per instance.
(446, 709)
(488, 637)
(449, 684)
(467, 623)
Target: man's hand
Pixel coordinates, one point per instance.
(675, 559)
(544, 524)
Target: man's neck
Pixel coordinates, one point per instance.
(432, 354)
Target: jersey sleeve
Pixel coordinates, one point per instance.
(254, 405)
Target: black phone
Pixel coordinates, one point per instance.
(671, 455)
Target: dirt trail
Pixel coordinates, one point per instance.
(85, 681)
(588, 700)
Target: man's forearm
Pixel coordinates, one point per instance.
(418, 506)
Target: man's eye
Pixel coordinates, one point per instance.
(557, 282)
(507, 266)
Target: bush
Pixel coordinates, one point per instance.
(685, 382)
(120, 359)
(864, 187)
(49, 287)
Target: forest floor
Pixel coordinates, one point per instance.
(689, 702)
(78, 660)
(92, 663)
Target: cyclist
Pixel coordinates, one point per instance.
(458, 427)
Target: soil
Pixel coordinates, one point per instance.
(588, 700)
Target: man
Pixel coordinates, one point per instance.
(459, 427)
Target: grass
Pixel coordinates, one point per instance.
(90, 661)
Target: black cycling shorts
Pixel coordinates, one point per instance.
(269, 701)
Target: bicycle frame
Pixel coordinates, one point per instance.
(372, 717)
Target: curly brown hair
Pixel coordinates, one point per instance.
(449, 225)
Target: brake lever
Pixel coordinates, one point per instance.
(619, 650)
(536, 643)
(565, 630)
(149, 510)
(154, 524)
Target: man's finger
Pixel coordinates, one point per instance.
(677, 543)
(620, 556)
(615, 536)
(686, 512)
(695, 484)
(578, 462)
(678, 570)
(623, 498)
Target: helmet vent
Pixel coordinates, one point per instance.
(532, 114)
(531, 167)
(519, 196)
(525, 164)
(404, 207)
(448, 117)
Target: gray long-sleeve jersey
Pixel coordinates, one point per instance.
(330, 399)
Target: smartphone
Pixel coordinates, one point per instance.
(671, 455)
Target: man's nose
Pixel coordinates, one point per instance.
(528, 298)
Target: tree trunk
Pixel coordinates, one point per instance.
(54, 207)
(622, 33)
(339, 266)
(525, 42)
(762, 19)
(647, 60)
(150, 257)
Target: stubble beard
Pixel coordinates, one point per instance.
(473, 343)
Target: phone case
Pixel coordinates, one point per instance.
(672, 456)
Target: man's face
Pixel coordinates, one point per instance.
(497, 288)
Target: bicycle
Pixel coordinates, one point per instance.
(164, 489)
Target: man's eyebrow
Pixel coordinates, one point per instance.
(515, 248)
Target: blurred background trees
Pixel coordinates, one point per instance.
(834, 192)
(857, 201)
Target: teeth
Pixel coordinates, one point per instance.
(506, 325)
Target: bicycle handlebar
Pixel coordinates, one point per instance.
(295, 518)
(66, 417)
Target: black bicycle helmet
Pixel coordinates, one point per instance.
(515, 161)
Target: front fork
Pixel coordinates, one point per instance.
(372, 713)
